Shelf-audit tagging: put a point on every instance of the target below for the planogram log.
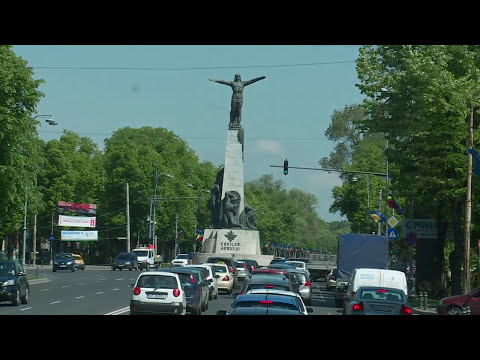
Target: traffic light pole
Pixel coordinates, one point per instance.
(330, 170)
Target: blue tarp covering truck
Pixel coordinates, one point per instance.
(358, 251)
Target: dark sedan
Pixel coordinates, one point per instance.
(263, 304)
(64, 261)
(372, 300)
(14, 286)
(125, 260)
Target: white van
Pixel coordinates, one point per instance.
(375, 277)
(145, 257)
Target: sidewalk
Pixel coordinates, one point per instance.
(427, 311)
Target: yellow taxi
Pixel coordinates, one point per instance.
(79, 263)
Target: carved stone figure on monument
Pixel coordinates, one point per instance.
(249, 218)
(230, 218)
(237, 86)
(215, 202)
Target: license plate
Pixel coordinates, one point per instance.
(63, 265)
(156, 296)
(382, 308)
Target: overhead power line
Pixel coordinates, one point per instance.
(190, 68)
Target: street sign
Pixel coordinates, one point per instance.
(392, 222)
(411, 238)
(392, 233)
(51, 237)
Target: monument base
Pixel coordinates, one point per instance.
(237, 243)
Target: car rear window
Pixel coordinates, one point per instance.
(381, 294)
(219, 268)
(157, 281)
(273, 304)
(268, 286)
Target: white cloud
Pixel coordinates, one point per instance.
(268, 146)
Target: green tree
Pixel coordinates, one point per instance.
(132, 156)
(19, 96)
(419, 96)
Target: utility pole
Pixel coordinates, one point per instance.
(24, 230)
(176, 234)
(380, 209)
(468, 207)
(51, 241)
(34, 259)
(386, 187)
(128, 220)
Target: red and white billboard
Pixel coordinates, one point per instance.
(79, 221)
(77, 208)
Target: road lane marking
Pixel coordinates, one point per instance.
(65, 286)
(119, 311)
(79, 297)
(115, 289)
(100, 292)
(45, 290)
(28, 308)
(55, 302)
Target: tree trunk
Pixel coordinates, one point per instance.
(456, 256)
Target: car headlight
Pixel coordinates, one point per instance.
(55, 263)
(127, 262)
(70, 263)
(8, 282)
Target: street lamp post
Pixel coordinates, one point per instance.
(152, 236)
(24, 229)
(196, 208)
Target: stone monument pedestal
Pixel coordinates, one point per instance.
(237, 243)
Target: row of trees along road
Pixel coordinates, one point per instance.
(74, 169)
(419, 98)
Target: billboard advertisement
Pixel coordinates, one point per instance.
(67, 235)
(78, 221)
(77, 208)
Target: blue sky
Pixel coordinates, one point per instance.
(284, 116)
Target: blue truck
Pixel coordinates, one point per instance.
(358, 251)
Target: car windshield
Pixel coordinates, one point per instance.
(381, 294)
(185, 278)
(182, 256)
(299, 278)
(7, 268)
(63, 256)
(142, 253)
(77, 257)
(219, 268)
(123, 256)
(271, 304)
(268, 286)
(157, 282)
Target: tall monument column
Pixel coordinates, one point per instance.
(234, 223)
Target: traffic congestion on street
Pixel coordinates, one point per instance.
(247, 180)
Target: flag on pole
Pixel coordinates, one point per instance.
(477, 160)
(377, 216)
(393, 204)
(180, 233)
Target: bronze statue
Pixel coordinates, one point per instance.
(237, 86)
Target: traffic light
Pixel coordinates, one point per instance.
(285, 167)
(391, 248)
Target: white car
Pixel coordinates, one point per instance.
(224, 277)
(180, 260)
(295, 295)
(156, 292)
(299, 265)
(213, 284)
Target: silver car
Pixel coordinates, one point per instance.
(241, 270)
(301, 285)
